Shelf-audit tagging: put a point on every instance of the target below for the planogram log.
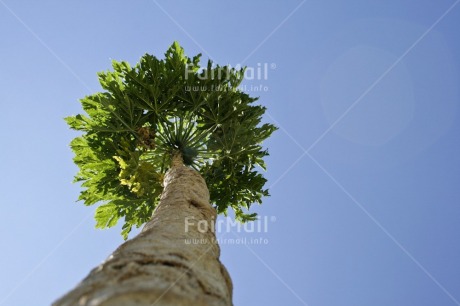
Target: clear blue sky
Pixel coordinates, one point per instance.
(364, 172)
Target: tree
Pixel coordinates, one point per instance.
(170, 144)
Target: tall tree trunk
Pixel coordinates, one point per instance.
(173, 261)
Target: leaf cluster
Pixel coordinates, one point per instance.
(158, 108)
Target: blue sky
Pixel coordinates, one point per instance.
(364, 171)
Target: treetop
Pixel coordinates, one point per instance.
(158, 108)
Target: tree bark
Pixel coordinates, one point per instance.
(173, 261)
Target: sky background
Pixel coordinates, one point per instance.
(364, 171)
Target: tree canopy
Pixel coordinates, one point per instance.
(158, 108)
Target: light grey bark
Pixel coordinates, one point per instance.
(171, 262)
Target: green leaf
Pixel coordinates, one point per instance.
(106, 215)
